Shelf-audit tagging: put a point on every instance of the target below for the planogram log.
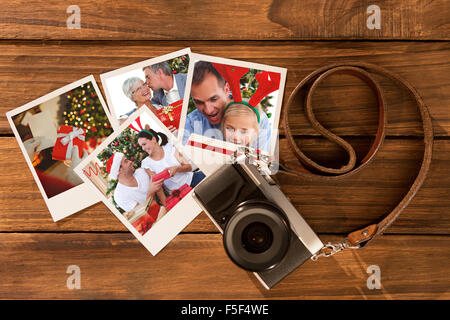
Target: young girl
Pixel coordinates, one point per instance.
(162, 155)
(240, 124)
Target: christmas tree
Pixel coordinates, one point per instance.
(179, 64)
(249, 84)
(126, 143)
(84, 110)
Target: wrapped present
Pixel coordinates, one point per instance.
(144, 223)
(66, 139)
(184, 190)
(177, 195)
(161, 175)
(170, 115)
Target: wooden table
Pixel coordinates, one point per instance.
(38, 54)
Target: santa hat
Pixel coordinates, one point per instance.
(113, 164)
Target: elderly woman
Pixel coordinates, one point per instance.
(138, 92)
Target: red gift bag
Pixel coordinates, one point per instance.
(170, 115)
(177, 195)
(66, 139)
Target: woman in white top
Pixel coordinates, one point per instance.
(163, 155)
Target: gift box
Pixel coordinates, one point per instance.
(144, 223)
(177, 195)
(162, 175)
(66, 138)
(170, 115)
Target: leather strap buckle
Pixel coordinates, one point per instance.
(332, 248)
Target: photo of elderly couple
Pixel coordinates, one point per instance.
(158, 85)
(143, 173)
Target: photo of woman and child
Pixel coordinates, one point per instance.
(232, 104)
(150, 175)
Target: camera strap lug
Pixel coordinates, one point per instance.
(331, 249)
(250, 156)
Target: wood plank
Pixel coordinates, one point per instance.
(332, 208)
(29, 70)
(195, 266)
(203, 20)
(373, 192)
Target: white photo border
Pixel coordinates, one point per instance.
(78, 197)
(139, 65)
(173, 222)
(220, 158)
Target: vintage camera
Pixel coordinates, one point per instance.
(262, 230)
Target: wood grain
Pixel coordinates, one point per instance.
(225, 20)
(195, 266)
(29, 70)
(39, 54)
(331, 208)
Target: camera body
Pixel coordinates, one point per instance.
(262, 230)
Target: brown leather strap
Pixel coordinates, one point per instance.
(301, 98)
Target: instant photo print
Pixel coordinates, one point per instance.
(55, 133)
(142, 175)
(232, 104)
(158, 83)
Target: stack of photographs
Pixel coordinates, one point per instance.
(170, 122)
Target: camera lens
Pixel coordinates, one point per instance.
(257, 237)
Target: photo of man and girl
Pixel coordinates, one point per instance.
(142, 173)
(157, 83)
(235, 104)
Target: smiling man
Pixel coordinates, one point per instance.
(211, 94)
(167, 87)
(134, 186)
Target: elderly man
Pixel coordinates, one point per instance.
(167, 87)
(134, 186)
(211, 94)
